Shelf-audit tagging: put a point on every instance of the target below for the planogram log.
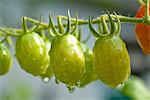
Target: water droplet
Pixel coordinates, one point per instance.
(121, 85)
(34, 59)
(46, 79)
(78, 83)
(64, 59)
(70, 88)
(42, 67)
(4, 52)
(57, 81)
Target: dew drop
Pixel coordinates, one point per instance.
(121, 85)
(70, 88)
(57, 81)
(64, 59)
(78, 83)
(46, 79)
(34, 59)
(4, 52)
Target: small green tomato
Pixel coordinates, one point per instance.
(67, 59)
(90, 74)
(32, 54)
(133, 87)
(5, 60)
(112, 62)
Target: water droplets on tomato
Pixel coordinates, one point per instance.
(70, 88)
(46, 79)
(34, 59)
(57, 81)
(64, 59)
(78, 83)
(4, 52)
(121, 85)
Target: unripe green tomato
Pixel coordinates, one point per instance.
(133, 87)
(111, 60)
(67, 59)
(5, 60)
(32, 54)
(90, 74)
(49, 72)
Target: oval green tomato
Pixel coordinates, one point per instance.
(67, 59)
(32, 54)
(5, 60)
(111, 60)
(90, 74)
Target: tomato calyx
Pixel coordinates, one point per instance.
(144, 13)
(61, 27)
(115, 27)
(24, 26)
(147, 16)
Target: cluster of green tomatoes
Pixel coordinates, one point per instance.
(71, 61)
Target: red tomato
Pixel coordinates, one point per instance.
(143, 32)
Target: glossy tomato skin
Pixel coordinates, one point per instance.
(5, 60)
(32, 54)
(67, 59)
(111, 60)
(143, 32)
(90, 74)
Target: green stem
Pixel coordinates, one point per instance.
(24, 25)
(95, 21)
(3, 39)
(141, 2)
(147, 17)
(35, 21)
(9, 33)
(61, 28)
(104, 25)
(147, 9)
(84, 22)
(43, 25)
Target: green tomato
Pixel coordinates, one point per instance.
(133, 87)
(32, 54)
(49, 72)
(5, 60)
(67, 59)
(90, 74)
(111, 60)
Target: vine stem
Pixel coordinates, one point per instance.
(3, 39)
(147, 7)
(105, 17)
(13, 30)
(141, 2)
(44, 25)
(84, 22)
(147, 11)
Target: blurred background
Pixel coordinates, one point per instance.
(19, 85)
